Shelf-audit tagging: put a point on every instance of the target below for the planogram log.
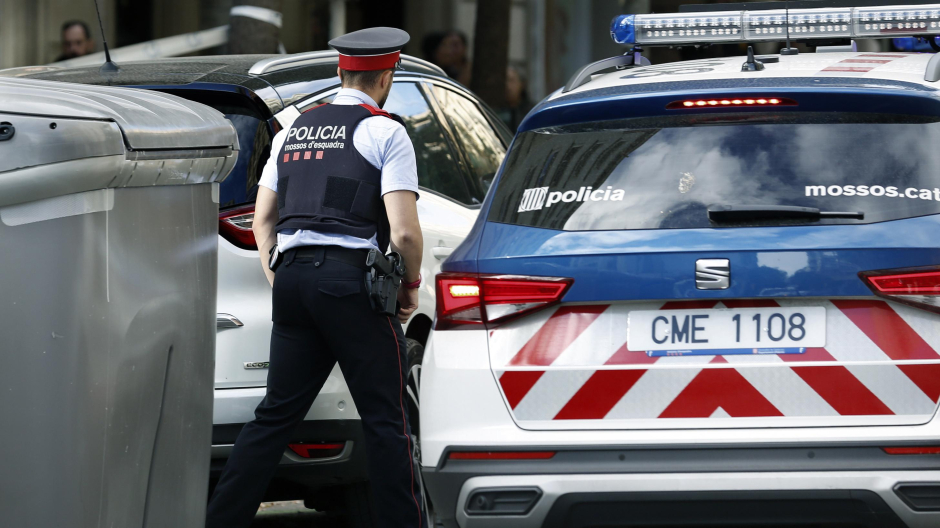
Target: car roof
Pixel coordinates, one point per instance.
(829, 71)
(849, 69)
(278, 80)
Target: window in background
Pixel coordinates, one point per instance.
(476, 136)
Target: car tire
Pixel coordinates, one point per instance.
(414, 354)
(415, 357)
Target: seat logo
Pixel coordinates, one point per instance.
(712, 274)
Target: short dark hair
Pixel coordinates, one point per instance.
(363, 79)
(84, 26)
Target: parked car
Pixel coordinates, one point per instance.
(459, 145)
(702, 294)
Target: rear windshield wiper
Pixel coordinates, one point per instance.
(737, 213)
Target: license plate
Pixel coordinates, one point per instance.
(722, 332)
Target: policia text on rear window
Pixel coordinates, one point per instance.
(664, 173)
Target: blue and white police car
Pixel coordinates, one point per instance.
(704, 293)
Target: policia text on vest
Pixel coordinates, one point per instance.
(318, 138)
(334, 215)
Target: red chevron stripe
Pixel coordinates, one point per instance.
(865, 61)
(630, 357)
(605, 388)
(561, 329)
(517, 383)
(897, 339)
(836, 384)
(714, 388)
(599, 394)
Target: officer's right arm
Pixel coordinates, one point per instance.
(263, 227)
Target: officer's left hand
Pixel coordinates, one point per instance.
(408, 300)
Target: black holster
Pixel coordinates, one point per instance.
(383, 280)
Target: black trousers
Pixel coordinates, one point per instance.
(322, 315)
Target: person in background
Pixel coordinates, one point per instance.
(518, 103)
(76, 40)
(448, 49)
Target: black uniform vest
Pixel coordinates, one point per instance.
(323, 183)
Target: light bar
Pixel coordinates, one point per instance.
(771, 25)
(730, 102)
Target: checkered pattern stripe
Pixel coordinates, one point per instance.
(572, 363)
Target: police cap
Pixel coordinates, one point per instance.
(370, 49)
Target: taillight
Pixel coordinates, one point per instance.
(235, 226)
(912, 450)
(317, 450)
(918, 287)
(501, 455)
(471, 299)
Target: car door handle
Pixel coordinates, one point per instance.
(224, 320)
(441, 252)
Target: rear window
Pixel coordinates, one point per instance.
(665, 172)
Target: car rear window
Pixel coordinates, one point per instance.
(658, 173)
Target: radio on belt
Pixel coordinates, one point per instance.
(770, 25)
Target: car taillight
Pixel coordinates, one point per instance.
(918, 287)
(235, 226)
(471, 299)
(501, 455)
(317, 450)
(912, 450)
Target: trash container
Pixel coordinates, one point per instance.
(108, 241)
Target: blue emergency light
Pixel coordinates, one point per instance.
(772, 25)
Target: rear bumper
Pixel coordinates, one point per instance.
(797, 486)
(296, 477)
(814, 499)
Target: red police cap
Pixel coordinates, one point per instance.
(370, 49)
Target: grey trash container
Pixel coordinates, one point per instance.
(108, 242)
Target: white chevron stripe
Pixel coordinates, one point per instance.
(783, 388)
(894, 388)
(654, 391)
(550, 393)
(846, 342)
(926, 324)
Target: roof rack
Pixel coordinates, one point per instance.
(283, 62)
(583, 75)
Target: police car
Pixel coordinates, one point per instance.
(704, 293)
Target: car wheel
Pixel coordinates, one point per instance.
(415, 355)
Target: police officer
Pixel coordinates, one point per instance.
(341, 180)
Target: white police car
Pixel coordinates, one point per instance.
(703, 293)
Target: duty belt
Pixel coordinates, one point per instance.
(352, 257)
